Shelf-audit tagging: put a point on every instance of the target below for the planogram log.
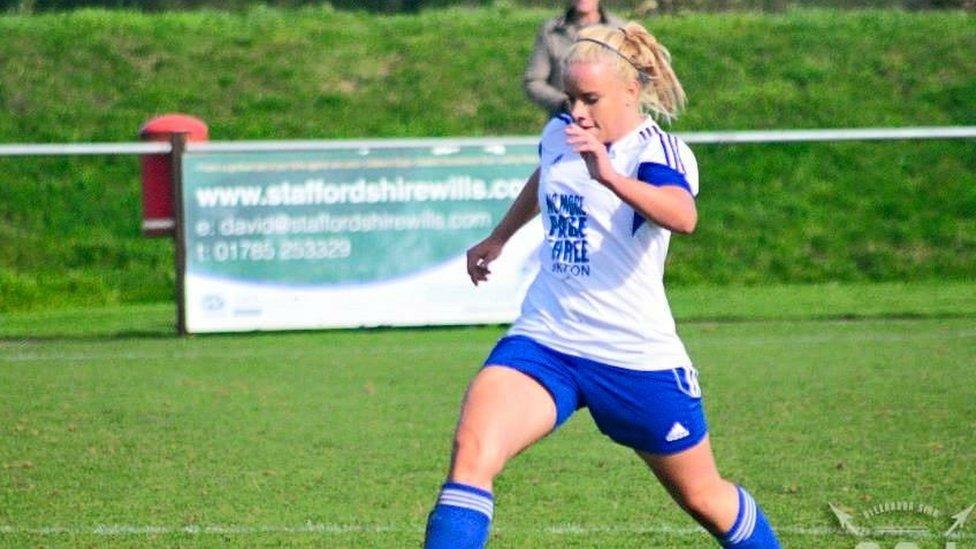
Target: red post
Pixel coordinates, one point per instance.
(157, 175)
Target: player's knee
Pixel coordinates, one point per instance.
(475, 457)
(701, 501)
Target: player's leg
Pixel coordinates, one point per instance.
(659, 414)
(725, 509)
(504, 412)
(692, 479)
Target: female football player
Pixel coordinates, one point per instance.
(596, 329)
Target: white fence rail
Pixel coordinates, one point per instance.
(72, 149)
(705, 138)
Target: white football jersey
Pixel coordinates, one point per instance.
(599, 293)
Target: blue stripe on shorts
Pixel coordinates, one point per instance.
(658, 412)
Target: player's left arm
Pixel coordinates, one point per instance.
(671, 207)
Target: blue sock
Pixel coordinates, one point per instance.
(751, 529)
(461, 518)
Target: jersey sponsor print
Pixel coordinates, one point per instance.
(600, 292)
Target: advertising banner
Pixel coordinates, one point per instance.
(351, 236)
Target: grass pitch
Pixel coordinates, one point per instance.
(114, 432)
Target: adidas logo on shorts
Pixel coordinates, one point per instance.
(677, 432)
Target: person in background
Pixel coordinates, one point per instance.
(543, 79)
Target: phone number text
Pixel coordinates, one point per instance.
(298, 249)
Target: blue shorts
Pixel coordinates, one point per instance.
(658, 412)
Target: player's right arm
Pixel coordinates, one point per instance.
(522, 210)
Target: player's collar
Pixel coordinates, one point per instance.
(644, 131)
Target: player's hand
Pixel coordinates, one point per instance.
(593, 152)
(480, 255)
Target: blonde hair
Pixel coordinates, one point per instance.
(637, 55)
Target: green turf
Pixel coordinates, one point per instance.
(341, 438)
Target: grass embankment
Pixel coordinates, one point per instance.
(770, 214)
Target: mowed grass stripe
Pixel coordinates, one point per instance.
(943, 299)
(56, 356)
(300, 346)
(330, 530)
